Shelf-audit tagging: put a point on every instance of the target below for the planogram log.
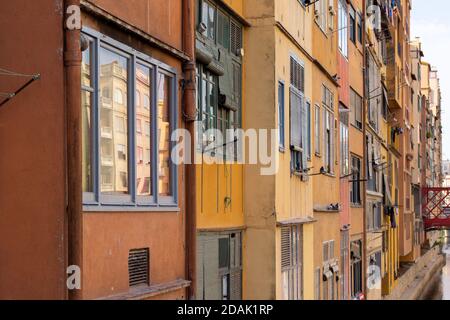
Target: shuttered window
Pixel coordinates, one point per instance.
(299, 117)
(292, 262)
(223, 30)
(317, 282)
(281, 126)
(138, 267)
(356, 109)
(219, 266)
(328, 129)
(355, 187)
(236, 38)
(297, 75)
(317, 124)
(344, 145)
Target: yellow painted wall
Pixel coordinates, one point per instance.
(220, 197)
(281, 26)
(293, 196)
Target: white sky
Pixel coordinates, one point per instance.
(431, 22)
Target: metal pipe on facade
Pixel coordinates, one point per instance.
(72, 68)
(365, 155)
(190, 116)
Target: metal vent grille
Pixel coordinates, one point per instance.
(236, 38)
(138, 262)
(286, 250)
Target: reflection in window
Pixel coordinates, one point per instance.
(138, 99)
(87, 137)
(143, 170)
(164, 89)
(111, 155)
(86, 114)
(118, 96)
(113, 121)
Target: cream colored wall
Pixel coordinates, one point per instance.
(259, 247)
(296, 20)
(327, 228)
(293, 197)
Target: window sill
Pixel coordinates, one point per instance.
(145, 292)
(329, 175)
(356, 127)
(356, 206)
(87, 208)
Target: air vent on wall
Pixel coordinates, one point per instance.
(138, 266)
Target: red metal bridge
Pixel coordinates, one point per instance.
(436, 208)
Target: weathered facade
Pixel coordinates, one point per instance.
(107, 153)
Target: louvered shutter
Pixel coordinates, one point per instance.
(369, 156)
(317, 13)
(212, 284)
(286, 249)
(200, 273)
(295, 105)
(236, 285)
(236, 38)
(304, 128)
(332, 139)
(325, 252)
(324, 137)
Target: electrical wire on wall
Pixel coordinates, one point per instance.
(7, 96)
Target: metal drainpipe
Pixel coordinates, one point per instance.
(190, 116)
(364, 166)
(72, 67)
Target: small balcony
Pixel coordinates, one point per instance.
(106, 132)
(106, 102)
(107, 161)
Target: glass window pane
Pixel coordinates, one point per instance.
(212, 23)
(143, 142)
(86, 73)
(86, 110)
(113, 123)
(224, 253)
(164, 101)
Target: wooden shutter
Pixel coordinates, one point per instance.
(223, 30)
(331, 248)
(325, 252)
(332, 139)
(324, 137)
(200, 273)
(304, 137)
(286, 247)
(369, 156)
(295, 113)
(212, 283)
(236, 285)
(317, 282)
(297, 75)
(236, 38)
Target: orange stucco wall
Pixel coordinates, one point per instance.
(109, 236)
(32, 183)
